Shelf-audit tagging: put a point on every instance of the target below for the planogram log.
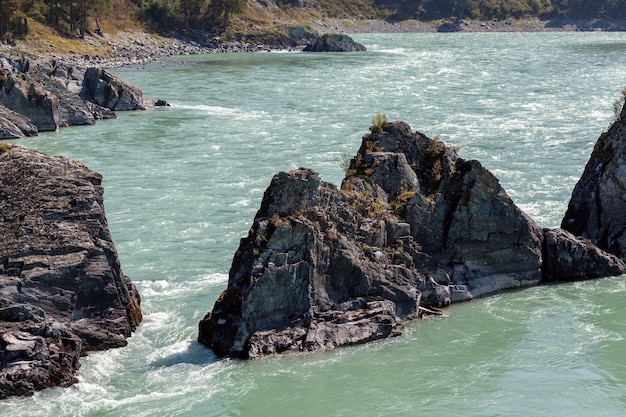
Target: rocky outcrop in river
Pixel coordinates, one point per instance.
(597, 209)
(51, 94)
(413, 228)
(62, 291)
(334, 42)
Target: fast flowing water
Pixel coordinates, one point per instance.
(182, 185)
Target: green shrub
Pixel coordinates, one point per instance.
(378, 121)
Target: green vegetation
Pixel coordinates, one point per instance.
(399, 204)
(76, 18)
(505, 9)
(378, 121)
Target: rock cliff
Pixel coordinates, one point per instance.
(597, 209)
(413, 228)
(62, 291)
(51, 94)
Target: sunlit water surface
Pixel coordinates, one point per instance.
(182, 185)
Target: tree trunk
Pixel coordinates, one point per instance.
(226, 17)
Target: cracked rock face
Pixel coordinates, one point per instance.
(597, 209)
(62, 291)
(49, 95)
(413, 228)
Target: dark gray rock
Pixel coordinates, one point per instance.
(597, 208)
(570, 258)
(109, 91)
(333, 42)
(14, 125)
(51, 94)
(26, 96)
(62, 291)
(413, 228)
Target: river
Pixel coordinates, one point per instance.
(182, 186)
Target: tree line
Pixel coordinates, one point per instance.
(505, 9)
(76, 17)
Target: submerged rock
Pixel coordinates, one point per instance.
(62, 291)
(333, 42)
(413, 228)
(597, 209)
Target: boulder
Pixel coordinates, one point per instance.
(26, 96)
(597, 208)
(51, 94)
(109, 91)
(570, 258)
(412, 229)
(333, 42)
(62, 291)
(14, 125)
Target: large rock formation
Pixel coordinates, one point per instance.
(597, 209)
(50, 94)
(333, 42)
(14, 125)
(106, 90)
(62, 291)
(414, 227)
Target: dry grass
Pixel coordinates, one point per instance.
(44, 41)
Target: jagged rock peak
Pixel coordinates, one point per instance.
(62, 290)
(412, 229)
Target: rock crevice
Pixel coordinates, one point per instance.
(412, 229)
(51, 95)
(62, 291)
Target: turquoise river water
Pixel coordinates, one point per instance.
(182, 185)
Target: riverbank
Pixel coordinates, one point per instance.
(463, 25)
(137, 48)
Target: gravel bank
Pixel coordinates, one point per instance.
(136, 49)
(462, 25)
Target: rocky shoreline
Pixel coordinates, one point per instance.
(62, 289)
(138, 48)
(351, 26)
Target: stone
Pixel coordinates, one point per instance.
(13, 125)
(413, 229)
(597, 208)
(109, 91)
(62, 290)
(333, 42)
(571, 258)
(52, 94)
(26, 96)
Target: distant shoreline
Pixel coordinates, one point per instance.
(139, 48)
(353, 26)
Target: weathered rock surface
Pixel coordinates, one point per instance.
(109, 91)
(597, 209)
(413, 228)
(575, 258)
(51, 94)
(14, 125)
(333, 42)
(62, 291)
